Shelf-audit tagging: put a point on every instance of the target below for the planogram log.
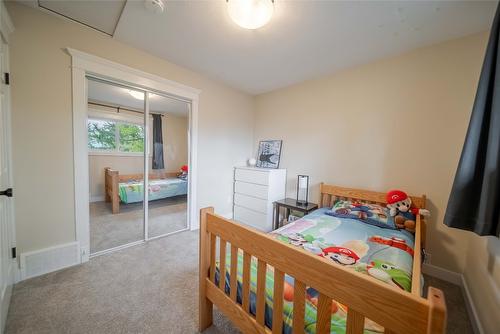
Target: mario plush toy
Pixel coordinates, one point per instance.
(399, 205)
(183, 174)
(341, 255)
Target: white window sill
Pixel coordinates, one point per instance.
(118, 154)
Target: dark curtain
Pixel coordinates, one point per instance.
(157, 143)
(474, 202)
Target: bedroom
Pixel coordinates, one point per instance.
(390, 109)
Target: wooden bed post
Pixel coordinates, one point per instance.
(205, 305)
(107, 197)
(320, 200)
(111, 189)
(437, 311)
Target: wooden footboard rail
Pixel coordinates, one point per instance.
(396, 310)
(111, 180)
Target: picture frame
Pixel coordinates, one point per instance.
(269, 154)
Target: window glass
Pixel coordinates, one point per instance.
(131, 137)
(101, 134)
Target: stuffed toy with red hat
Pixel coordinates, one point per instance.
(183, 174)
(399, 205)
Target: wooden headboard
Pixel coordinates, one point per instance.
(329, 194)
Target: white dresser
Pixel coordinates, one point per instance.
(255, 190)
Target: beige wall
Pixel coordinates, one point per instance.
(175, 152)
(97, 163)
(482, 274)
(395, 123)
(42, 123)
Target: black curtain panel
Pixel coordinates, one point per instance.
(474, 202)
(157, 143)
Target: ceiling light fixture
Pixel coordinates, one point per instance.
(250, 14)
(136, 95)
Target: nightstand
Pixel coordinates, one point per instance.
(290, 204)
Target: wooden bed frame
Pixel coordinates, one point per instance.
(398, 311)
(112, 178)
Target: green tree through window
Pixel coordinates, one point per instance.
(104, 135)
(101, 135)
(131, 138)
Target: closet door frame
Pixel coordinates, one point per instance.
(85, 65)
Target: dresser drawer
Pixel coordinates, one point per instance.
(251, 189)
(252, 176)
(249, 202)
(252, 218)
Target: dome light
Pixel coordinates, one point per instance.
(250, 14)
(137, 95)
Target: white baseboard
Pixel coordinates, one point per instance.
(97, 198)
(50, 259)
(444, 274)
(471, 308)
(457, 279)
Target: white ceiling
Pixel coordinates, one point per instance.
(304, 39)
(104, 19)
(119, 96)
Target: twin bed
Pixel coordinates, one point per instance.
(324, 273)
(130, 188)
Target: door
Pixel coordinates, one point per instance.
(168, 161)
(7, 236)
(116, 142)
(131, 131)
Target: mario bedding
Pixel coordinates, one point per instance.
(347, 238)
(133, 192)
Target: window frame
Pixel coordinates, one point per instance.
(117, 119)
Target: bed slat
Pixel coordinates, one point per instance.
(234, 273)
(279, 278)
(222, 266)
(246, 282)
(324, 314)
(332, 201)
(261, 291)
(213, 243)
(355, 322)
(299, 298)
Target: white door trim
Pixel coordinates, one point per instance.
(8, 266)
(83, 64)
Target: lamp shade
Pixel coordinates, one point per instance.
(302, 189)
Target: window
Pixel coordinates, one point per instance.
(114, 136)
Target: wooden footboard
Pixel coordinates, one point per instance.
(112, 178)
(396, 310)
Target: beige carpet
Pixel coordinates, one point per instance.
(109, 230)
(150, 288)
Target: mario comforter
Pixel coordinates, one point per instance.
(384, 254)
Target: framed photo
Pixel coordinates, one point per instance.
(269, 154)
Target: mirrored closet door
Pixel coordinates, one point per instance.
(116, 148)
(168, 182)
(130, 131)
